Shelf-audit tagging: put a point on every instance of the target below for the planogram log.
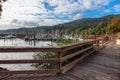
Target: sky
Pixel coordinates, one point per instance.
(32, 13)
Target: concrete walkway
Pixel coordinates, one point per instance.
(102, 65)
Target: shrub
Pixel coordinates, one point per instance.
(42, 56)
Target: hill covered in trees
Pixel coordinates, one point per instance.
(82, 27)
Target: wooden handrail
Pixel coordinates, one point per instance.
(74, 54)
(29, 49)
(58, 60)
(55, 60)
(44, 49)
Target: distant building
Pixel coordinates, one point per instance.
(96, 36)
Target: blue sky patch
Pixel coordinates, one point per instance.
(48, 6)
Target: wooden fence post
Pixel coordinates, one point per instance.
(101, 42)
(94, 44)
(59, 64)
(97, 44)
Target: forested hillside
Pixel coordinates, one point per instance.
(82, 27)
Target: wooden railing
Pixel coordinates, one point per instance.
(66, 57)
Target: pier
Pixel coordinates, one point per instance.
(96, 60)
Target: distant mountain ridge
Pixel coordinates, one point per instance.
(91, 20)
(80, 24)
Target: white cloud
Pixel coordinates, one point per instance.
(77, 16)
(93, 4)
(107, 10)
(29, 13)
(117, 7)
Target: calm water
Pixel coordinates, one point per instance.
(20, 42)
(13, 56)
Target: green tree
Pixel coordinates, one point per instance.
(114, 26)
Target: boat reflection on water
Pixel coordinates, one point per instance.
(22, 43)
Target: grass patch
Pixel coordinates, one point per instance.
(63, 42)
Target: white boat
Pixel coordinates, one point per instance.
(8, 37)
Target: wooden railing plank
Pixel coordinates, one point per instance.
(29, 49)
(54, 60)
(29, 71)
(73, 63)
(74, 54)
(43, 49)
(75, 46)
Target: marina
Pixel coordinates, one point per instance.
(17, 42)
(21, 42)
